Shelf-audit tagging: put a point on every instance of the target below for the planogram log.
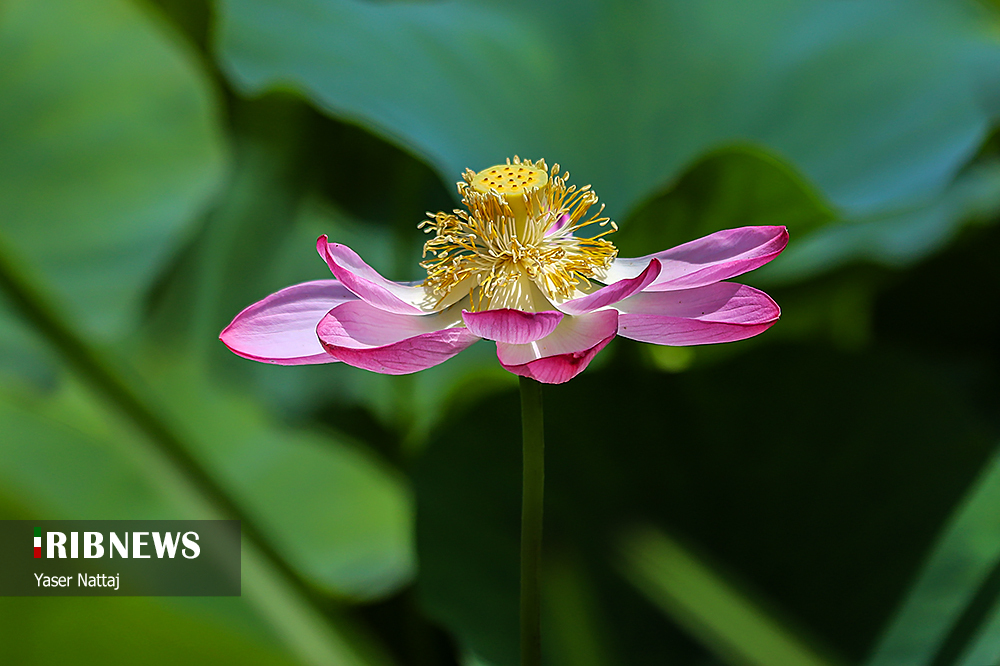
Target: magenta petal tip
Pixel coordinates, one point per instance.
(561, 368)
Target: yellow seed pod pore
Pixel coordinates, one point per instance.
(510, 180)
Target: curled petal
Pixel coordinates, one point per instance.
(371, 287)
(721, 312)
(281, 328)
(715, 257)
(612, 293)
(364, 336)
(512, 326)
(564, 353)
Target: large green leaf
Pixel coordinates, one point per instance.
(65, 455)
(745, 186)
(134, 630)
(734, 187)
(897, 239)
(331, 509)
(109, 146)
(879, 103)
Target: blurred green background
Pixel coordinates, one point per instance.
(825, 494)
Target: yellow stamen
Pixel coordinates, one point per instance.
(518, 228)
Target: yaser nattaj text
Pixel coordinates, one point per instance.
(82, 580)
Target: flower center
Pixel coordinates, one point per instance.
(515, 245)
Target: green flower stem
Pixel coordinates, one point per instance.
(532, 500)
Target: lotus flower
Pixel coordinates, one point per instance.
(514, 267)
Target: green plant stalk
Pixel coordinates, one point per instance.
(532, 501)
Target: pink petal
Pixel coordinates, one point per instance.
(565, 352)
(721, 312)
(366, 282)
(715, 257)
(364, 336)
(513, 326)
(281, 328)
(612, 293)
